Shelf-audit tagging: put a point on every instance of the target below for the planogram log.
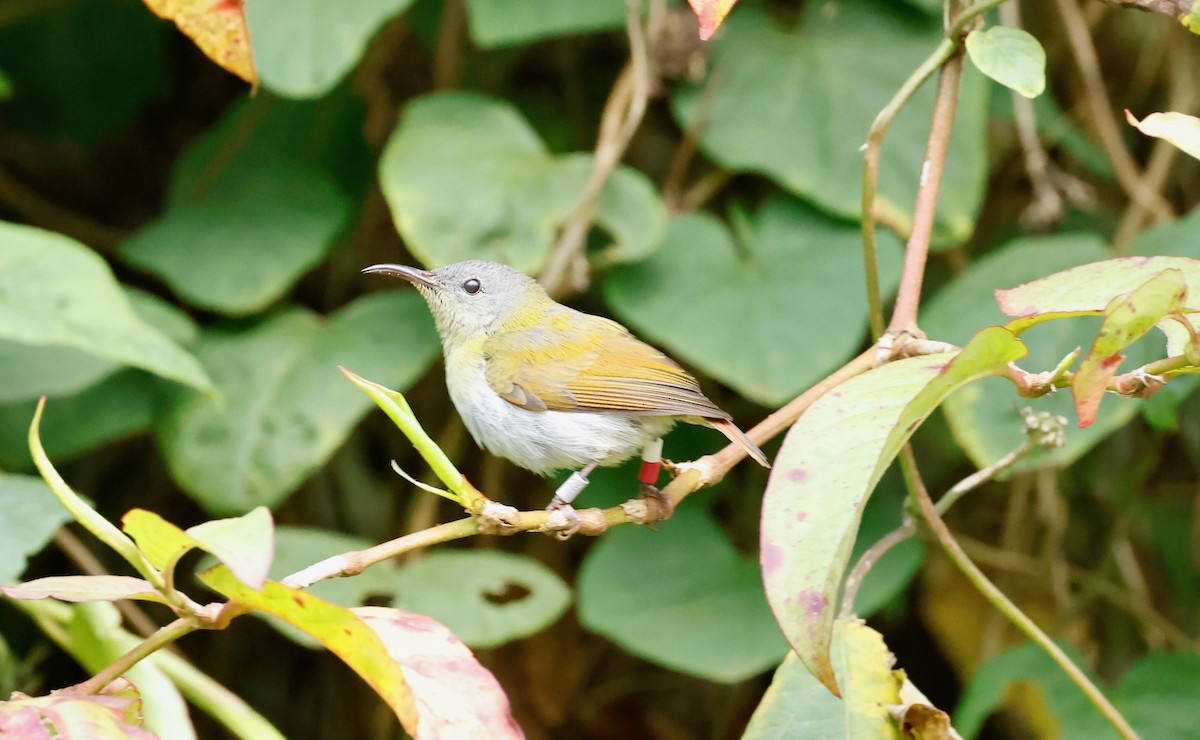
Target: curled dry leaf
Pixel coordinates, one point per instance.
(218, 27)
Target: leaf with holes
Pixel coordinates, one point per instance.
(828, 467)
(1127, 318)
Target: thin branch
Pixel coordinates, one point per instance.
(620, 120)
(447, 59)
(943, 536)
(1177, 9)
(1103, 116)
(165, 635)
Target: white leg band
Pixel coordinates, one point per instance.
(571, 487)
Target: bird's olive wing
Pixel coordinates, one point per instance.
(553, 370)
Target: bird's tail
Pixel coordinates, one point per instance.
(739, 438)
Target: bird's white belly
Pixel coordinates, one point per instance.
(545, 441)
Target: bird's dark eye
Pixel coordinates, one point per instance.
(472, 286)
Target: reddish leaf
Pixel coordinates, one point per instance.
(455, 695)
(218, 27)
(710, 13)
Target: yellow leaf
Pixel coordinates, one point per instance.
(218, 27)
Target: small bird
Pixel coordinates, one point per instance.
(549, 387)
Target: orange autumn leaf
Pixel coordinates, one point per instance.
(218, 27)
(710, 13)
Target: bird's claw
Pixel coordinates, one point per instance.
(571, 521)
(659, 506)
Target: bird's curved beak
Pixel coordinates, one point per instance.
(411, 274)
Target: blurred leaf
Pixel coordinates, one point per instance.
(485, 597)
(1161, 411)
(218, 27)
(826, 470)
(325, 133)
(466, 177)
(497, 23)
(6, 88)
(681, 597)
(303, 47)
(83, 69)
(244, 544)
(733, 312)
(985, 417)
(31, 517)
(1178, 128)
(710, 13)
(338, 629)
(56, 292)
(455, 695)
(1172, 529)
(84, 588)
(1127, 318)
(285, 406)
(797, 705)
(1010, 56)
(768, 84)
(31, 371)
(243, 243)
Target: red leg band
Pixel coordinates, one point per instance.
(649, 472)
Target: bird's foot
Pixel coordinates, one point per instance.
(659, 506)
(569, 523)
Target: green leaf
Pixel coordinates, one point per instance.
(985, 417)
(682, 597)
(56, 292)
(699, 297)
(485, 597)
(1127, 318)
(796, 106)
(303, 47)
(336, 627)
(828, 467)
(466, 177)
(797, 705)
(31, 371)
(65, 61)
(84, 588)
(6, 87)
(497, 23)
(1010, 56)
(285, 406)
(244, 544)
(245, 241)
(31, 517)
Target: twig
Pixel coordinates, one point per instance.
(447, 59)
(943, 536)
(1103, 118)
(872, 150)
(163, 637)
(620, 120)
(1177, 9)
(908, 296)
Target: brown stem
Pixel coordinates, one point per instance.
(447, 59)
(1177, 9)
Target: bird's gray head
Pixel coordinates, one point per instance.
(471, 298)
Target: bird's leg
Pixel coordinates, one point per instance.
(565, 494)
(662, 506)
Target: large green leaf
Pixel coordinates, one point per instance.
(31, 517)
(466, 177)
(797, 105)
(745, 313)
(303, 47)
(31, 371)
(241, 244)
(985, 417)
(682, 597)
(496, 23)
(485, 597)
(826, 470)
(285, 406)
(56, 292)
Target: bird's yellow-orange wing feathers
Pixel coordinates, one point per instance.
(576, 362)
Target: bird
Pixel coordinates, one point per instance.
(549, 387)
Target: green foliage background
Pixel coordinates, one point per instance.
(179, 274)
